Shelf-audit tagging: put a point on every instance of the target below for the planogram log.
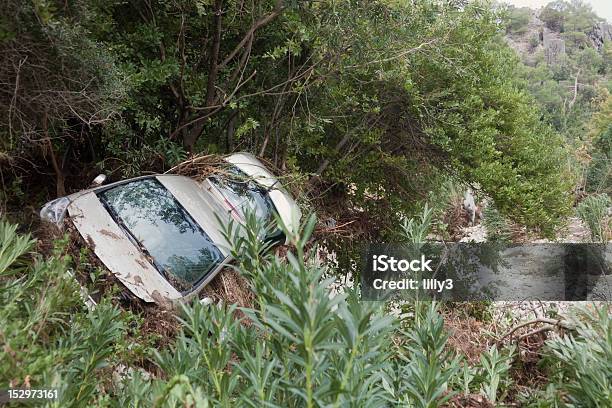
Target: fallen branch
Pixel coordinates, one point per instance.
(334, 230)
(551, 324)
(542, 329)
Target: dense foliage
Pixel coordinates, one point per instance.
(366, 99)
(599, 171)
(573, 18)
(570, 83)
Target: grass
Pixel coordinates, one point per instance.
(594, 211)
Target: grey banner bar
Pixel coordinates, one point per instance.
(488, 271)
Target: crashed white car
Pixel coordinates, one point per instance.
(159, 234)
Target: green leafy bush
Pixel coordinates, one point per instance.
(494, 372)
(50, 340)
(498, 227)
(599, 172)
(426, 363)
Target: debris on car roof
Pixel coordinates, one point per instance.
(200, 167)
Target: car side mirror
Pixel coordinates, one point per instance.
(99, 180)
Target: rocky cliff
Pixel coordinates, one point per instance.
(601, 33)
(538, 37)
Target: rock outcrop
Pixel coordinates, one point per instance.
(601, 33)
(538, 36)
(554, 47)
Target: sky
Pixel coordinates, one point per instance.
(603, 8)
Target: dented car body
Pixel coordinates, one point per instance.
(161, 236)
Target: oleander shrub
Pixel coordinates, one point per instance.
(50, 339)
(581, 362)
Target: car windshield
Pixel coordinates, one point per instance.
(178, 246)
(243, 194)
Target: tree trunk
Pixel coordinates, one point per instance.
(231, 129)
(325, 163)
(194, 133)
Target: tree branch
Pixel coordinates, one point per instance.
(214, 68)
(213, 109)
(278, 9)
(550, 324)
(573, 101)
